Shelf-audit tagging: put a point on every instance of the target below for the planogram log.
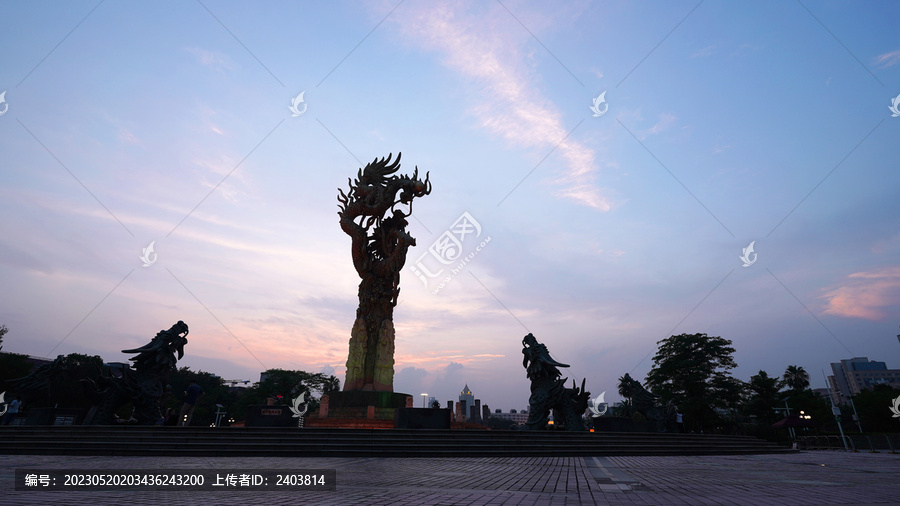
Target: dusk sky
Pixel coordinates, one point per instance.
(723, 124)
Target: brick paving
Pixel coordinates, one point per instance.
(797, 478)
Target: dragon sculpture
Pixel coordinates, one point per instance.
(143, 383)
(37, 383)
(647, 403)
(548, 391)
(379, 243)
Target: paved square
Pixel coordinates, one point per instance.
(799, 478)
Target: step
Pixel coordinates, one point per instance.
(130, 440)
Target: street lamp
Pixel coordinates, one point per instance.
(424, 400)
(836, 411)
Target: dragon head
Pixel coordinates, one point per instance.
(376, 190)
(160, 352)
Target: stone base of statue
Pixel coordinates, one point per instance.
(370, 373)
(339, 409)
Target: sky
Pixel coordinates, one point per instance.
(617, 158)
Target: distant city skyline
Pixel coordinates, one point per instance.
(635, 171)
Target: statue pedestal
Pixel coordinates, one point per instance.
(363, 405)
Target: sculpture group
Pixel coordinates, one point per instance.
(373, 212)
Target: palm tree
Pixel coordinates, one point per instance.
(623, 409)
(795, 378)
(628, 385)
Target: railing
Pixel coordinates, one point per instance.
(858, 442)
(822, 443)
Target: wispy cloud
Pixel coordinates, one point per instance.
(212, 59)
(866, 295)
(706, 51)
(490, 50)
(126, 137)
(665, 121)
(888, 59)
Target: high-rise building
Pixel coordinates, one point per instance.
(469, 399)
(851, 376)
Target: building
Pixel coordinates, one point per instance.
(466, 401)
(518, 417)
(854, 375)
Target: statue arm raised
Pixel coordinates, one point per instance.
(359, 242)
(350, 210)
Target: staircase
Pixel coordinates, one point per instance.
(324, 442)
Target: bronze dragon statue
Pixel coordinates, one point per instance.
(379, 244)
(143, 383)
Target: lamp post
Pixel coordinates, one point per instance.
(836, 411)
(219, 414)
(856, 415)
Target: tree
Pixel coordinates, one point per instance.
(67, 389)
(763, 396)
(795, 378)
(13, 366)
(627, 386)
(812, 404)
(692, 371)
(286, 385)
(623, 409)
(874, 408)
(214, 392)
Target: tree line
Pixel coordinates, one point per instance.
(693, 372)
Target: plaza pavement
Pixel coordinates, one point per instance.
(812, 477)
